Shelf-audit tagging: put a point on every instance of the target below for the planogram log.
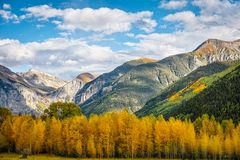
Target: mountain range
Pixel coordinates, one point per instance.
(131, 86)
(143, 86)
(179, 99)
(33, 91)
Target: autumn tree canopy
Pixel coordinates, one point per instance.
(120, 134)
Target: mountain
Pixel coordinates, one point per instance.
(42, 80)
(186, 88)
(102, 84)
(32, 92)
(17, 93)
(221, 99)
(67, 92)
(86, 77)
(130, 85)
(139, 83)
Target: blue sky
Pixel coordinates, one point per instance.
(66, 38)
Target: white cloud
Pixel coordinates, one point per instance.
(6, 6)
(104, 20)
(131, 35)
(8, 15)
(217, 19)
(173, 4)
(184, 16)
(61, 56)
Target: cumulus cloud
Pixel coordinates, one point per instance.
(173, 4)
(8, 15)
(88, 19)
(217, 19)
(60, 56)
(6, 6)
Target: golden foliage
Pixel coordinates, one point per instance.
(195, 87)
(123, 135)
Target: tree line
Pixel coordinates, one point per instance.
(117, 134)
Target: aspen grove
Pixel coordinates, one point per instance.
(121, 134)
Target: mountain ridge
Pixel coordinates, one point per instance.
(186, 88)
(139, 84)
(129, 85)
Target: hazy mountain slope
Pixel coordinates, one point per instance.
(42, 80)
(102, 84)
(67, 92)
(17, 94)
(143, 82)
(185, 88)
(221, 99)
(33, 91)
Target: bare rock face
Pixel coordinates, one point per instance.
(42, 80)
(16, 93)
(67, 92)
(217, 50)
(32, 92)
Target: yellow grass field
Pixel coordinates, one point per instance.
(12, 156)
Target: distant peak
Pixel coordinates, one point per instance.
(217, 42)
(86, 77)
(37, 72)
(34, 70)
(142, 60)
(213, 46)
(147, 60)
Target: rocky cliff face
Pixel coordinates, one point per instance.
(131, 89)
(42, 80)
(67, 92)
(16, 93)
(33, 91)
(217, 50)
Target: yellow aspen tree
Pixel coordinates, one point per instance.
(143, 137)
(7, 131)
(215, 146)
(78, 128)
(73, 135)
(39, 137)
(228, 146)
(131, 134)
(79, 148)
(236, 141)
(149, 122)
(105, 135)
(190, 141)
(121, 140)
(53, 136)
(175, 138)
(204, 140)
(161, 137)
(92, 136)
(26, 135)
(91, 149)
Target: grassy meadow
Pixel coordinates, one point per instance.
(13, 156)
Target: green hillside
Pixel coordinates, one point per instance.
(171, 100)
(221, 99)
